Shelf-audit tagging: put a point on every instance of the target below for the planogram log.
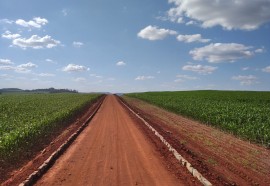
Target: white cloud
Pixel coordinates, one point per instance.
(79, 79)
(36, 22)
(7, 67)
(46, 75)
(27, 65)
(179, 20)
(7, 21)
(23, 68)
(191, 23)
(65, 12)
(75, 68)
(183, 78)
(96, 76)
(192, 38)
(111, 79)
(51, 61)
(77, 44)
(259, 50)
(167, 18)
(266, 69)
(144, 77)
(6, 62)
(5, 76)
(120, 63)
(200, 69)
(40, 21)
(245, 68)
(222, 52)
(179, 80)
(36, 42)
(233, 14)
(246, 80)
(8, 35)
(154, 33)
(174, 14)
(187, 77)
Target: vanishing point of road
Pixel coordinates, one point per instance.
(112, 150)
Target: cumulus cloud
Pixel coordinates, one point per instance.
(75, 68)
(23, 68)
(77, 44)
(6, 62)
(222, 52)
(200, 69)
(266, 69)
(246, 80)
(36, 22)
(192, 38)
(141, 78)
(154, 33)
(232, 14)
(120, 63)
(36, 42)
(8, 35)
(28, 65)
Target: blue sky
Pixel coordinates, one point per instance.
(134, 46)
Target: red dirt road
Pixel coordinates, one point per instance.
(112, 150)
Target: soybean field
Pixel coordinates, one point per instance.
(24, 118)
(243, 113)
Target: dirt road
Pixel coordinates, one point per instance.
(110, 151)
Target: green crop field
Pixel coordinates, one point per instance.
(245, 114)
(25, 118)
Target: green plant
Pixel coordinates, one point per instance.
(243, 113)
(24, 118)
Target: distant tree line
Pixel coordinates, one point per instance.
(53, 90)
(44, 90)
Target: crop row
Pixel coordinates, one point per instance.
(25, 118)
(245, 114)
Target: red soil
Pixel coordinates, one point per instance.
(110, 151)
(222, 158)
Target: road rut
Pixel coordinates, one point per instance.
(110, 151)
